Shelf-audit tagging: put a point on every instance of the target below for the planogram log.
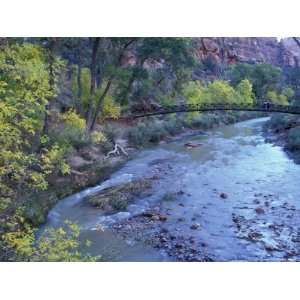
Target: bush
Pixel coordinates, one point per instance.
(137, 135)
(56, 244)
(156, 132)
(147, 133)
(203, 121)
(111, 131)
(294, 139)
(97, 137)
(69, 137)
(70, 132)
(173, 126)
(280, 122)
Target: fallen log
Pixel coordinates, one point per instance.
(118, 150)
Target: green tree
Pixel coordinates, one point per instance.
(277, 98)
(152, 55)
(288, 92)
(220, 91)
(56, 244)
(24, 92)
(244, 90)
(263, 77)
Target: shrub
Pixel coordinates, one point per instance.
(280, 122)
(173, 126)
(111, 131)
(156, 132)
(98, 137)
(203, 121)
(137, 135)
(71, 132)
(72, 119)
(110, 109)
(56, 244)
(144, 134)
(294, 139)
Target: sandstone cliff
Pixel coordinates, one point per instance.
(229, 50)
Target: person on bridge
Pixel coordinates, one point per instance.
(267, 105)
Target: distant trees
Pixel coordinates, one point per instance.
(263, 77)
(281, 98)
(219, 91)
(245, 92)
(156, 63)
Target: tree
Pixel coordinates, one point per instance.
(288, 92)
(24, 92)
(93, 67)
(263, 77)
(114, 49)
(172, 53)
(220, 91)
(277, 98)
(244, 90)
(51, 44)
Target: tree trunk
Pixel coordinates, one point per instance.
(92, 118)
(99, 105)
(132, 79)
(93, 68)
(79, 91)
(51, 58)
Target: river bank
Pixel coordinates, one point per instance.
(235, 197)
(90, 165)
(284, 130)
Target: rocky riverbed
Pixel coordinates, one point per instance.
(234, 198)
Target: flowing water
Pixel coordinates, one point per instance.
(256, 220)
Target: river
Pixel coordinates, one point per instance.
(234, 198)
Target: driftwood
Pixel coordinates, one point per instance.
(118, 150)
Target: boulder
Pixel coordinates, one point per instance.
(118, 197)
(195, 226)
(223, 196)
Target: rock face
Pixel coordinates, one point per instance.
(230, 50)
(290, 52)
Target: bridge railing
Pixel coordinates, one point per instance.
(257, 106)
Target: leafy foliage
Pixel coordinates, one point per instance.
(24, 93)
(219, 91)
(56, 244)
(263, 77)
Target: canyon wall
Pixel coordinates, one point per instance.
(229, 50)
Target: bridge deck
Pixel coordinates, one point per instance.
(214, 107)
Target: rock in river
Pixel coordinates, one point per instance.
(223, 196)
(118, 197)
(259, 210)
(195, 226)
